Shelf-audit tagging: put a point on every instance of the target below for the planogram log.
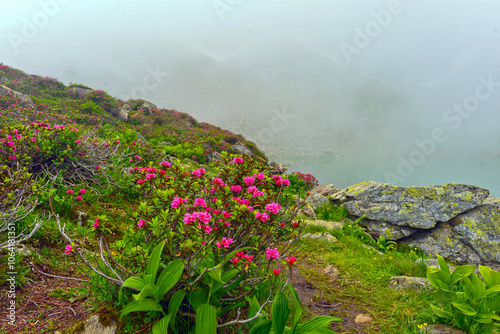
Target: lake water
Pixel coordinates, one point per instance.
(346, 171)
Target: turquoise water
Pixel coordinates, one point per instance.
(346, 171)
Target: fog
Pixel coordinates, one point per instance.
(405, 92)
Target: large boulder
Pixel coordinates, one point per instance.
(325, 190)
(80, 90)
(397, 212)
(316, 201)
(472, 237)
(24, 100)
(240, 148)
(122, 113)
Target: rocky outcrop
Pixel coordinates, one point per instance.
(316, 201)
(472, 237)
(4, 79)
(324, 190)
(240, 148)
(147, 108)
(397, 212)
(409, 283)
(24, 100)
(122, 113)
(80, 90)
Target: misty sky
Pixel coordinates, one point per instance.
(406, 92)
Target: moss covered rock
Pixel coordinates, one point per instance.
(397, 212)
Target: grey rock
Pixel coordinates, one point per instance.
(331, 270)
(325, 223)
(23, 250)
(317, 200)
(147, 108)
(325, 190)
(81, 217)
(4, 79)
(433, 263)
(24, 99)
(440, 329)
(412, 207)
(320, 236)
(121, 113)
(92, 325)
(213, 156)
(307, 211)
(240, 148)
(80, 90)
(409, 283)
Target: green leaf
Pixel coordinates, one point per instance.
(491, 277)
(442, 313)
(438, 278)
(478, 285)
(489, 291)
(197, 297)
(493, 303)
(161, 326)
(140, 306)
(226, 276)
(464, 308)
(462, 271)
(485, 318)
(253, 308)
(444, 296)
(206, 319)
(216, 275)
(315, 324)
(154, 261)
(263, 327)
(169, 277)
(175, 302)
(279, 312)
(148, 291)
(131, 282)
(443, 265)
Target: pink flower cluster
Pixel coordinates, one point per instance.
(198, 172)
(273, 207)
(272, 253)
(178, 201)
(79, 197)
(261, 216)
(69, 249)
(203, 216)
(141, 223)
(226, 242)
(241, 255)
(278, 180)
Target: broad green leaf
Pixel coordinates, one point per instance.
(154, 261)
(493, 303)
(230, 307)
(279, 312)
(464, 308)
(443, 265)
(263, 327)
(489, 291)
(216, 275)
(148, 291)
(175, 302)
(486, 273)
(442, 313)
(461, 272)
(161, 326)
(478, 285)
(253, 308)
(315, 324)
(206, 319)
(444, 296)
(226, 276)
(438, 278)
(169, 277)
(486, 318)
(298, 308)
(140, 306)
(469, 289)
(197, 297)
(131, 282)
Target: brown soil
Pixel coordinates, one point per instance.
(37, 311)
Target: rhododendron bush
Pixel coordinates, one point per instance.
(225, 223)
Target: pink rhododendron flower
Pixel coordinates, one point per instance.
(262, 216)
(286, 182)
(200, 202)
(240, 254)
(291, 260)
(235, 260)
(141, 182)
(236, 188)
(78, 141)
(277, 180)
(251, 189)
(218, 182)
(12, 157)
(82, 191)
(258, 193)
(277, 272)
(162, 172)
(165, 164)
(69, 191)
(96, 223)
(69, 249)
(141, 223)
(178, 201)
(189, 218)
(273, 207)
(198, 172)
(295, 224)
(226, 242)
(249, 180)
(272, 253)
(247, 257)
(238, 160)
(205, 228)
(80, 198)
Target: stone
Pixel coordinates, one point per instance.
(325, 190)
(307, 211)
(4, 79)
(470, 238)
(409, 283)
(24, 100)
(440, 329)
(325, 223)
(81, 217)
(23, 250)
(92, 325)
(397, 212)
(363, 318)
(147, 108)
(316, 201)
(331, 270)
(122, 113)
(240, 148)
(80, 90)
(320, 236)
(213, 156)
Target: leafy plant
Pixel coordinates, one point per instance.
(385, 245)
(467, 302)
